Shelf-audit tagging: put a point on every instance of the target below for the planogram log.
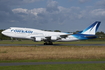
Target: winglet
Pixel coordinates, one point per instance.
(92, 28)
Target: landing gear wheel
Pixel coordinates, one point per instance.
(49, 43)
(45, 43)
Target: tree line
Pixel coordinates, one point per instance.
(100, 35)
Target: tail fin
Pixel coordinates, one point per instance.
(91, 29)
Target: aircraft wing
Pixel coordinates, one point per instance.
(54, 38)
(64, 36)
(49, 38)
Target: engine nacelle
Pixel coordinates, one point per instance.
(36, 39)
(54, 37)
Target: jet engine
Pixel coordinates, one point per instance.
(54, 38)
(36, 39)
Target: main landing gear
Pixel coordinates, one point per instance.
(48, 43)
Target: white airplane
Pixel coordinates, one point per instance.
(49, 37)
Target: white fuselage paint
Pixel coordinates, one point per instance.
(27, 33)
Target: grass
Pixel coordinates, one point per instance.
(18, 42)
(51, 52)
(31, 42)
(56, 67)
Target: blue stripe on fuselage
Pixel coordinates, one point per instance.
(84, 36)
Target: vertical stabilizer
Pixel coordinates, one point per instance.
(92, 28)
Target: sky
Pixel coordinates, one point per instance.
(63, 15)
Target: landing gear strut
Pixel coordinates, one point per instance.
(48, 43)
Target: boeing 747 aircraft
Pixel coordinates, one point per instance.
(49, 37)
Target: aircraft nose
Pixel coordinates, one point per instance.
(3, 32)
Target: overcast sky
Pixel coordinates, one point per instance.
(64, 15)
